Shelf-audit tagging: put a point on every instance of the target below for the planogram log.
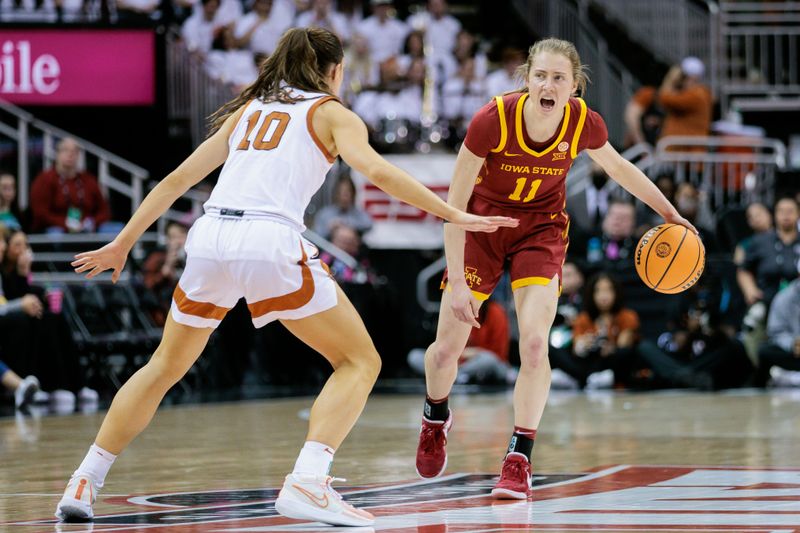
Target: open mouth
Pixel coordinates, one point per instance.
(547, 103)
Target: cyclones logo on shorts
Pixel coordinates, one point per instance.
(624, 497)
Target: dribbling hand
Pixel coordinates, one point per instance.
(471, 222)
(675, 218)
(112, 256)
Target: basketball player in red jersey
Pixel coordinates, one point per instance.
(514, 162)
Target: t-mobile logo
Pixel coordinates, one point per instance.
(21, 74)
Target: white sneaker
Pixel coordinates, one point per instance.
(561, 380)
(23, 395)
(41, 397)
(76, 504)
(310, 497)
(784, 378)
(600, 380)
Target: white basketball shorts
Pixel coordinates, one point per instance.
(270, 264)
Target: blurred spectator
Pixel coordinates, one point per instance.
(361, 72)
(343, 210)
(566, 372)
(260, 29)
(65, 198)
(644, 117)
(16, 264)
(686, 101)
(439, 27)
(23, 389)
(691, 205)
(703, 349)
(649, 218)
(769, 265)
(462, 96)
(588, 208)
(780, 357)
(348, 240)
(138, 11)
(384, 33)
(466, 48)
(200, 29)
(229, 63)
(772, 256)
(323, 15)
(28, 11)
(161, 270)
(759, 219)
(353, 12)
(616, 242)
(505, 79)
(485, 358)
(413, 48)
(9, 210)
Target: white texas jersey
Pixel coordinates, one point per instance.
(275, 162)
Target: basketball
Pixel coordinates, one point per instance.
(670, 258)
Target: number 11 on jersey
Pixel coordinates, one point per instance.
(517, 194)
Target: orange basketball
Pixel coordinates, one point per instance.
(670, 258)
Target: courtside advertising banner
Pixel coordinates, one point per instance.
(77, 67)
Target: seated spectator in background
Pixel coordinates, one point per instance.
(343, 210)
(466, 48)
(780, 357)
(759, 219)
(15, 264)
(260, 29)
(10, 216)
(505, 79)
(36, 340)
(161, 270)
(703, 349)
(229, 63)
(462, 96)
(413, 48)
(564, 372)
(141, 11)
(614, 246)
(23, 389)
(646, 216)
(348, 240)
(690, 204)
(384, 33)
(687, 102)
(200, 29)
(769, 265)
(67, 199)
(644, 117)
(439, 27)
(323, 15)
(485, 358)
(361, 72)
(588, 208)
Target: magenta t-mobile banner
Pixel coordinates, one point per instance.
(77, 67)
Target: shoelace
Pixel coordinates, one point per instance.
(514, 470)
(328, 485)
(433, 437)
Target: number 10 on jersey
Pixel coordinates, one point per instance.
(517, 194)
(269, 134)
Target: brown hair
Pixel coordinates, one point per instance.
(556, 46)
(301, 60)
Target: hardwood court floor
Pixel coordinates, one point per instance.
(228, 459)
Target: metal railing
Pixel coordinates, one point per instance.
(670, 30)
(612, 84)
(760, 52)
(36, 147)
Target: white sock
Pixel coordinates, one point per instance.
(315, 458)
(96, 465)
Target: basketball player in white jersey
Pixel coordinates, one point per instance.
(277, 141)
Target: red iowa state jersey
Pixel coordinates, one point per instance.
(518, 172)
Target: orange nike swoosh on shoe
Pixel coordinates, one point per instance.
(318, 500)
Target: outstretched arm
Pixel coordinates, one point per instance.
(634, 181)
(198, 165)
(351, 139)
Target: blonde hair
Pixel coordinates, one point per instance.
(557, 46)
(300, 60)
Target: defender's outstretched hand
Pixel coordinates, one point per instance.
(111, 256)
(470, 222)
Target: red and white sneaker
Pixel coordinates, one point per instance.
(431, 451)
(76, 504)
(310, 497)
(515, 479)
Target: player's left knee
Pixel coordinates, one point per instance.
(533, 351)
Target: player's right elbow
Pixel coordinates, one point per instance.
(378, 174)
